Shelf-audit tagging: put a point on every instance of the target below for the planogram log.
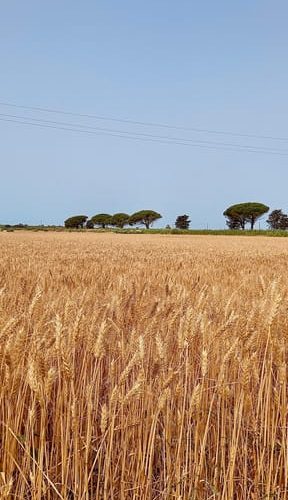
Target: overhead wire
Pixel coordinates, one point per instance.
(142, 123)
(145, 135)
(125, 135)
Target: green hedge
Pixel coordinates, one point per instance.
(216, 232)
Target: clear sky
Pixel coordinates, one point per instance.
(216, 65)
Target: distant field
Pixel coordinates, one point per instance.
(143, 367)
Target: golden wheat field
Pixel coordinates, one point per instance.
(143, 367)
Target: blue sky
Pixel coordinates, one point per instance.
(210, 65)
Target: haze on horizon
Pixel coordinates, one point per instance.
(218, 66)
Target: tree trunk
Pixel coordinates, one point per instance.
(147, 224)
(252, 223)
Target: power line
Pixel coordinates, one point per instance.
(99, 133)
(142, 123)
(146, 135)
(141, 139)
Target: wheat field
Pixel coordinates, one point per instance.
(143, 367)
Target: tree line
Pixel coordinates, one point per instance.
(237, 217)
(120, 220)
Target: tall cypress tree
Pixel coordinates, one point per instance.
(182, 222)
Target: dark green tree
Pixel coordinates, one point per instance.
(102, 220)
(182, 222)
(277, 220)
(76, 221)
(89, 224)
(145, 217)
(120, 220)
(245, 212)
(233, 223)
(234, 219)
